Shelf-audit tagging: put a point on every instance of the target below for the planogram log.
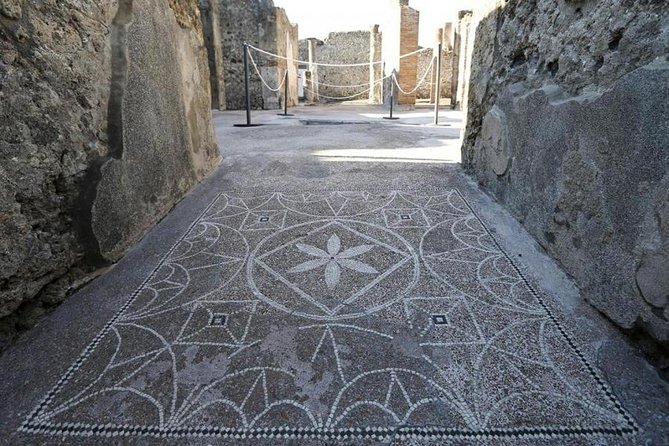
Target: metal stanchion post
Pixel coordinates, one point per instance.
(437, 88)
(285, 96)
(248, 90)
(392, 97)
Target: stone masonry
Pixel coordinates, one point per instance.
(344, 48)
(104, 125)
(462, 59)
(426, 91)
(214, 42)
(568, 117)
(375, 65)
(258, 23)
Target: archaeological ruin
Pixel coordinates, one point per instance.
(285, 222)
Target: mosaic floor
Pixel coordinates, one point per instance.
(330, 316)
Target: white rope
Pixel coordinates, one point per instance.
(340, 97)
(364, 64)
(323, 84)
(414, 52)
(420, 82)
(263, 80)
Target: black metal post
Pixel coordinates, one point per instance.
(248, 89)
(285, 95)
(246, 84)
(392, 97)
(437, 88)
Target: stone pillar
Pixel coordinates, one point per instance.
(464, 62)
(375, 67)
(408, 66)
(312, 85)
(448, 36)
(213, 41)
(459, 55)
(292, 53)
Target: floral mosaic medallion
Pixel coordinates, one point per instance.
(338, 315)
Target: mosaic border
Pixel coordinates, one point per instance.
(378, 433)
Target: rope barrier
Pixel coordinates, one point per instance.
(340, 98)
(263, 80)
(420, 82)
(323, 84)
(364, 64)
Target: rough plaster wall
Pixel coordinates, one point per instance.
(568, 126)
(82, 176)
(344, 48)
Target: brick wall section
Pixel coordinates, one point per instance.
(407, 77)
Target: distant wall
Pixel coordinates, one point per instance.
(426, 91)
(258, 23)
(567, 126)
(344, 48)
(214, 44)
(104, 126)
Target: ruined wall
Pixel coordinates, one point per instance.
(104, 125)
(287, 45)
(214, 44)
(425, 91)
(260, 24)
(568, 117)
(375, 65)
(344, 48)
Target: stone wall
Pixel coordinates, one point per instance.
(567, 126)
(260, 24)
(425, 91)
(375, 65)
(344, 48)
(214, 44)
(287, 45)
(104, 125)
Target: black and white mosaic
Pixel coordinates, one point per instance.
(334, 315)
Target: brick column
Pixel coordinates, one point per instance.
(375, 69)
(408, 71)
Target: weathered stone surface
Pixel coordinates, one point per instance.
(581, 89)
(214, 43)
(259, 23)
(426, 90)
(344, 48)
(104, 125)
